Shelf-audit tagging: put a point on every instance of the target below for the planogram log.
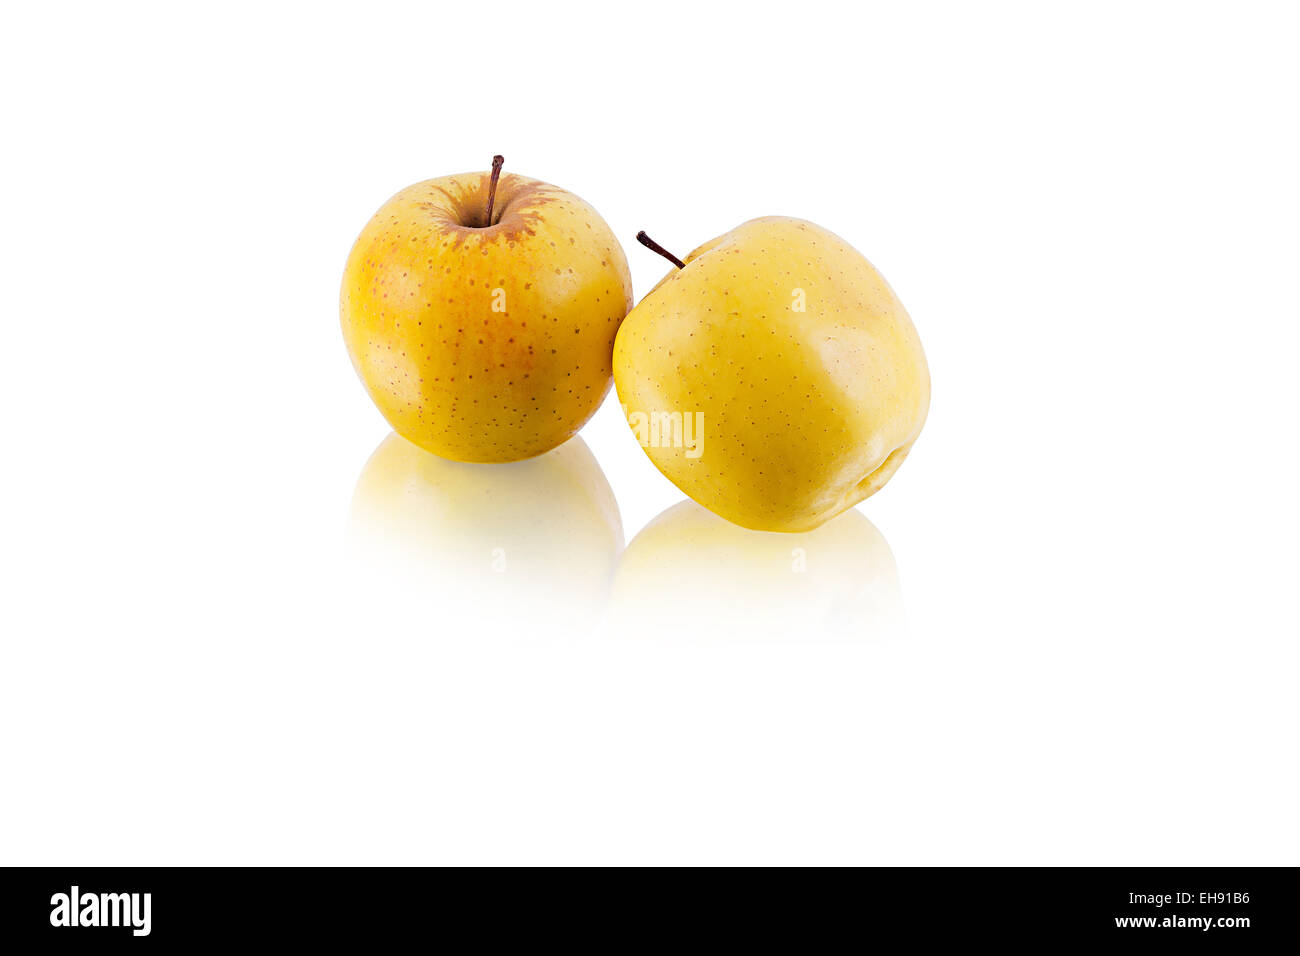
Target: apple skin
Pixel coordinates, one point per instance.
(485, 343)
(805, 366)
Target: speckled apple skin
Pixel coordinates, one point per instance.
(805, 413)
(450, 372)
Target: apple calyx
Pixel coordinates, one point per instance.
(653, 246)
(497, 162)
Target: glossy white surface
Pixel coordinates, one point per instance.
(1065, 632)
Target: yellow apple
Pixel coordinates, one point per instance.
(480, 313)
(796, 371)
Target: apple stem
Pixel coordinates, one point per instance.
(497, 162)
(650, 244)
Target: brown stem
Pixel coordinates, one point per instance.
(650, 244)
(497, 162)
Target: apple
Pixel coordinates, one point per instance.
(797, 368)
(480, 312)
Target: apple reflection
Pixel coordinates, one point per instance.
(530, 544)
(692, 575)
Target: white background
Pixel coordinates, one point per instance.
(1082, 650)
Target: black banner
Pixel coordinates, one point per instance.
(133, 908)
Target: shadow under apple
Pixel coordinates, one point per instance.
(692, 575)
(524, 547)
